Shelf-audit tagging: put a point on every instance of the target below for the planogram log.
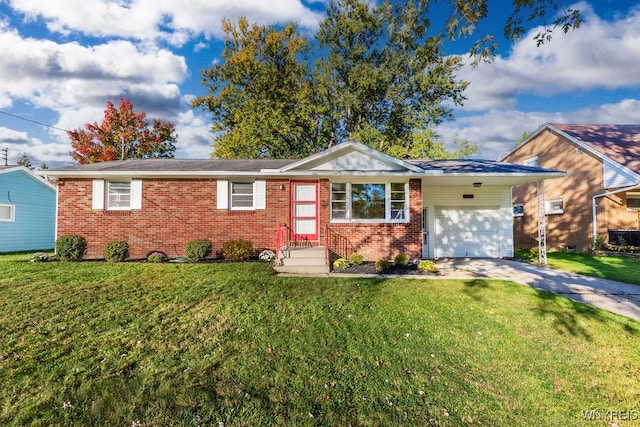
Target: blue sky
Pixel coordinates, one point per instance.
(62, 60)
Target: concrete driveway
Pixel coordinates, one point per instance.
(619, 298)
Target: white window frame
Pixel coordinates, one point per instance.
(633, 195)
(550, 209)
(233, 201)
(521, 210)
(108, 195)
(12, 213)
(225, 199)
(387, 199)
(532, 162)
(100, 196)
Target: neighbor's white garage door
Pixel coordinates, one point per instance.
(467, 232)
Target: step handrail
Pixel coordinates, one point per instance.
(337, 243)
(286, 238)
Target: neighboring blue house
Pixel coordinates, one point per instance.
(27, 211)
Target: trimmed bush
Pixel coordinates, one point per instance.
(356, 259)
(71, 247)
(401, 259)
(341, 264)
(382, 264)
(156, 256)
(428, 266)
(197, 250)
(116, 251)
(237, 250)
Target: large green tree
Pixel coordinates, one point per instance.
(385, 77)
(380, 77)
(261, 96)
(123, 134)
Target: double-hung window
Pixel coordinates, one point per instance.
(119, 195)
(369, 202)
(241, 195)
(7, 213)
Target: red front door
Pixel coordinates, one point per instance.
(304, 210)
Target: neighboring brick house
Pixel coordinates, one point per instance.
(603, 169)
(383, 205)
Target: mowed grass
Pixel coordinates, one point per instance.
(135, 344)
(617, 268)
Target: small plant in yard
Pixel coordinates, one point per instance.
(116, 251)
(527, 255)
(341, 264)
(156, 256)
(598, 243)
(428, 266)
(356, 259)
(382, 264)
(237, 250)
(267, 255)
(71, 247)
(401, 259)
(197, 250)
(40, 257)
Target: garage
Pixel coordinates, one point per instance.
(470, 232)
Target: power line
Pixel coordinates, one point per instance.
(32, 121)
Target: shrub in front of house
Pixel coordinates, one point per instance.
(382, 264)
(237, 250)
(71, 247)
(356, 259)
(197, 250)
(156, 256)
(40, 257)
(428, 266)
(401, 259)
(340, 264)
(116, 251)
(267, 255)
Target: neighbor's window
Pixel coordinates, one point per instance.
(518, 209)
(119, 195)
(553, 207)
(369, 202)
(241, 195)
(531, 161)
(633, 201)
(7, 213)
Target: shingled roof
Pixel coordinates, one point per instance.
(620, 143)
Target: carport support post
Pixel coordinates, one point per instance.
(542, 226)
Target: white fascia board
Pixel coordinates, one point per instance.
(526, 141)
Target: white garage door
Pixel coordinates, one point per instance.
(467, 233)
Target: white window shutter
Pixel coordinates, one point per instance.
(260, 194)
(136, 194)
(97, 198)
(222, 195)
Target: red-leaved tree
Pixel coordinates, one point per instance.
(122, 134)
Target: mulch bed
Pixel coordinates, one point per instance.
(370, 268)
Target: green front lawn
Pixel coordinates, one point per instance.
(231, 344)
(617, 268)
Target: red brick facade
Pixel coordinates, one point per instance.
(175, 211)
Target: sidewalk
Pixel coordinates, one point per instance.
(619, 298)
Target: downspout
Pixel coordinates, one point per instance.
(593, 206)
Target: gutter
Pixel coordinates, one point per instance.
(593, 206)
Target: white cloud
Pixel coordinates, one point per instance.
(160, 19)
(600, 54)
(496, 132)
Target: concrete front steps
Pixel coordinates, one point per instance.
(309, 260)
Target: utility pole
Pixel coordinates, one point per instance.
(5, 156)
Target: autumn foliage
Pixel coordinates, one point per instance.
(122, 134)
